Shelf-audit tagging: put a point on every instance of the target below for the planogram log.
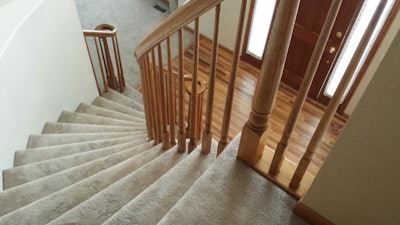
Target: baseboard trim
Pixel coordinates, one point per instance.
(310, 215)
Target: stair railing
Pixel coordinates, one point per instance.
(108, 57)
(160, 90)
(253, 139)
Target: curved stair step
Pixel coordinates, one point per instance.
(99, 111)
(52, 206)
(123, 100)
(43, 140)
(27, 193)
(23, 174)
(72, 117)
(104, 204)
(134, 94)
(33, 155)
(153, 203)
(110, 105)
(62, 128)
(231, 192)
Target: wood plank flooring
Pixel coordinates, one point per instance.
(246, 81)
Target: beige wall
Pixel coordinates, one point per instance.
(360, 182)
(374, 65)
(44, 69)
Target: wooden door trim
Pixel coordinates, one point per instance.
(371, 54)
(244, 56)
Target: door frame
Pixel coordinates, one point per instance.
(252, 60)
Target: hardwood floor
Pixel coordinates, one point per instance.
(246, 81)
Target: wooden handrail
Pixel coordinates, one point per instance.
(102, 30)
(176, 21)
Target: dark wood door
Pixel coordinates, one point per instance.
(309, 22)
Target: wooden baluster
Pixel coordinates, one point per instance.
(193, 107)
(231, 87)
(171, 94)
(181, 96)
(147, 114)
(251, 146)
(163, 99)
(112, 81)
(305, 86)
(121, 79)
(207, 133)
(101, 66)
(335, 101)
(94, 71)
(150, 92)
(156, 94)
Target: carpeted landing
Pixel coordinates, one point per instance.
(96, 166)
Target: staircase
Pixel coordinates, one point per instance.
(96, 166)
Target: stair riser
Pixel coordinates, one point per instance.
(123, 100)
(81, 118)
(98, 111)
(24, 157)
(110, 105)
(68, 128)
(37, 141)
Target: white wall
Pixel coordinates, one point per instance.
(230, 11)
(44, 69)
(359, 182)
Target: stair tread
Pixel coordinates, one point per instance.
(43, 140)
(59, 128)
(104, 204)
(153, 203)
(52, 206)
(132, 93)
(117, 107)
(23, 157)
(122, 99)
(29, 192)
(23, 174)
(230, 192)
(83, 118)
(99, 111)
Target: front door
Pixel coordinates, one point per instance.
(310, 20)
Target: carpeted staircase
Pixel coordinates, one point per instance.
(96, 165)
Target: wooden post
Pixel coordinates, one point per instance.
(231, 86)
(181, 96)
(163, 100)
(335, 101)
(193, 107)
(207, 134)
(156, 94)
(171, 95)
(305, 86)
(251, 146)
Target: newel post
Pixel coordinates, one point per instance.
(251, 145)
